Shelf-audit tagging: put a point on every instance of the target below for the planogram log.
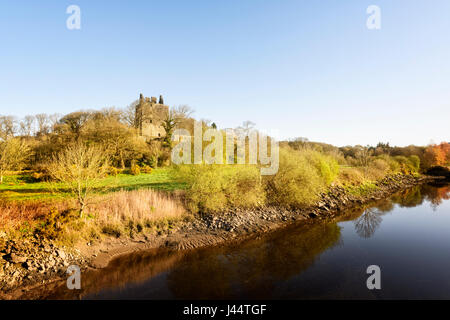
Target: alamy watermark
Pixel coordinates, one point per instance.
(374, 281)
(226, 147)
(74, 280)
(374, 20)
(73, 22)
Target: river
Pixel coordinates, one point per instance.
(407, 236)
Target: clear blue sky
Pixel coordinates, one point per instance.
(304, 68)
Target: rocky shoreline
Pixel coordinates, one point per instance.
(32, 263)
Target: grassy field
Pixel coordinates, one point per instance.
(22, 187)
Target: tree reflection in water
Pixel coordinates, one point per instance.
(437, 195)
(371, 218)
(367, 223)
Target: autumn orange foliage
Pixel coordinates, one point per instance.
(437, 155)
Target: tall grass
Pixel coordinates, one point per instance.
(117, 213)
(137, 205)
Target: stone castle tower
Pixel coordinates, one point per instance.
(149, 116)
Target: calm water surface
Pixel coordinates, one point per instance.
(408, 236)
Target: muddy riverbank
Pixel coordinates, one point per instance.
(28, 268)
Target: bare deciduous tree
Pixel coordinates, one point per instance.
(53, 120)
(76, 121)
(363, 156)
(7, 127)
(27, 126)
(174, 117)
(182, 112)
(246, 128)
(206, 122)
(13, 155)
(129, 114)
(42, 122)
(79, 168)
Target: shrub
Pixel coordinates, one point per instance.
(351, 176)
(377, 169)
(415, 162)
(135, 170)
(39, 176)
(246, 188)
(146, 169)
(327, 167)
(112, 230)
(301, 177)
(14, 213)
(408, 165)
(52, 226)
(394, 166)
(380, 165)
(114, 171)
(212, 188)
(362, 189)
